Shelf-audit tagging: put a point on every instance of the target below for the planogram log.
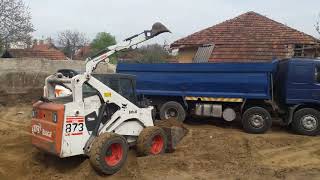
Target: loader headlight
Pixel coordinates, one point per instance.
(34, 113)
(54, 117)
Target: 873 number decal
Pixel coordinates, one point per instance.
(74, 127)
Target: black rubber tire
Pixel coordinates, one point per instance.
(145, 139)
(181, 112)
(249, 127)
(297, 126)
(99, 150)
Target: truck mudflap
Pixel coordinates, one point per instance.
(46, 127)
(174, 130)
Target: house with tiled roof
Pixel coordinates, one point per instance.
(39, 50)
(82, 53)
(248, 37)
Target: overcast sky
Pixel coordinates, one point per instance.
(123, 18)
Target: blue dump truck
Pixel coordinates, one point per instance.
(253, 92)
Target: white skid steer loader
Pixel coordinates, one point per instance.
(100, 119)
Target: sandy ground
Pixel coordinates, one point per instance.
(211, 150)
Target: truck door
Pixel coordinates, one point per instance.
(316, 87)
(301, 82)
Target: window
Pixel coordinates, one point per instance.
(317, 74)
(305, 50)
(299, 50)
(110, 81)
(203, 54)
(88, 90)
(126, 90)
(114, 85)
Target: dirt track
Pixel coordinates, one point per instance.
(210, 151)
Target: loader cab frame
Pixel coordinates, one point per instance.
(123, 84)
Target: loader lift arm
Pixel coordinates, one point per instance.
(136, 39)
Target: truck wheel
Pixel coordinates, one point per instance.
(256, 120)
(108, 153)
(151, 141)
(306, 122)
(172, 110)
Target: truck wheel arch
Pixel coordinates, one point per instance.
(256, 120)
(247, 104)
(306, 121)
(292, 110)
(177, 110)
(159, 101)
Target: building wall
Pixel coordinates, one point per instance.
(22, 80)
(186, 55)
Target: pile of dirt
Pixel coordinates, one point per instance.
(209, 151)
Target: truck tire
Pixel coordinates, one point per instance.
(256, 120)
(151, 141)
(172, 110)
(108, 153)
(306, 122)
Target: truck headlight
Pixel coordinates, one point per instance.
(54, 117)
(34, 113)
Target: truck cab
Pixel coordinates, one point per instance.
(297, 89)
(299, 81)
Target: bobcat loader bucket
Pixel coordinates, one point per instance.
(174, 130)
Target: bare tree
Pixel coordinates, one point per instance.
(317, 25)
(71, 41)
(15, 23)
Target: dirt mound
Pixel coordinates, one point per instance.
(207, 152)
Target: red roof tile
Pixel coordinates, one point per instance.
(41, 50)
(248, 36)
(42, 46)
(51, 54)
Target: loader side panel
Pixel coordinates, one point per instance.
(46, 126)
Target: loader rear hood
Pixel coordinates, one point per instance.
(46, 126)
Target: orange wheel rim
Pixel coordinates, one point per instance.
(114, 154)
(157, 144)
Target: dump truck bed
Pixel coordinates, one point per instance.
(234, 80)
